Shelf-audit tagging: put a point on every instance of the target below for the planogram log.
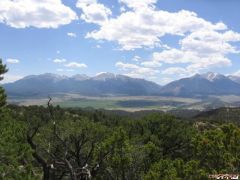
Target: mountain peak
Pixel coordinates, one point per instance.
(202, 85)
(46, 76)
(104, 76)
(212, 76)
(196, 76)
(99, 85)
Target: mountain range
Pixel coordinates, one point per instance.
(104, 84)
(203, 85)
(108, 84)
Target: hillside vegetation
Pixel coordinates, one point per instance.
(50, 142)
(55, 143)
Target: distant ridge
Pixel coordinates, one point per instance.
(103, 84)
(202, 85)
(108, 84)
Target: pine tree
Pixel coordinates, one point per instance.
(3, 96)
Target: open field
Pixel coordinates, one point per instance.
(131, 103)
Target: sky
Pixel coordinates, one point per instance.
(158, 40)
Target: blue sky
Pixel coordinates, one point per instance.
(159, 40)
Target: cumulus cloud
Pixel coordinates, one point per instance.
(237, 73)
(137, 71)
(136, 58)
(200, 50)
(210, 42)
(202, 44)
(35, 13)
(70, 34)
(59, 61)
(144, 27)
(100, 73)
(137, 4)
(93, 12)
(70, 66)
(75, 65)
(126, 66)
(8, 78)
(165, 80)
(12, 61)
(174, 71)
(175, 56)
(151, 64)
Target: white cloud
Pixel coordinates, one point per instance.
(175, 71)
(173, 56)
(237, 73)
(137, 4)
(12, 61)
(136, 71)
(59, 61)
(144, 27)
(126, 66)
(81, 3)
(100, 73)
(200, 50)
(35, 13)
(122, 9)
(72, 34)
(69, 65)
(165, 80)
(93, 12)
(136, 58)
(151, 64)
(76, 65)
(203, 44)
(10, 78)
(210, 42)
(198, 66)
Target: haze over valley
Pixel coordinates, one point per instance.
(120, 92)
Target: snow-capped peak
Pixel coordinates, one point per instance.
(104, 76)
(211, 76)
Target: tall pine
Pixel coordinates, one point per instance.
(3, 96)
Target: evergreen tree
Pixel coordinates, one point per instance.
(3, 96)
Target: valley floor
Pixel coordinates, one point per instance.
(131, 103)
